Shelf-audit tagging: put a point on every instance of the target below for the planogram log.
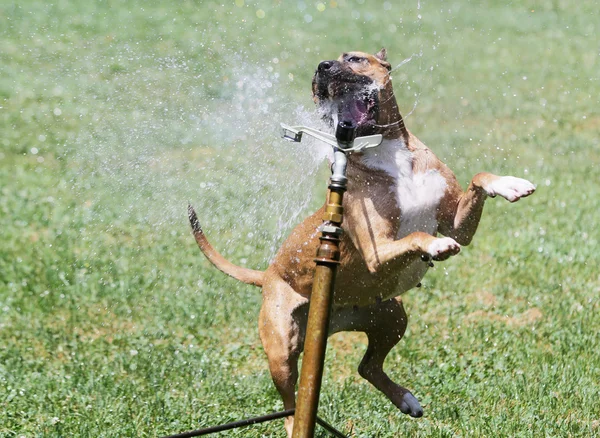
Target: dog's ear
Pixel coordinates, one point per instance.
(382, 56)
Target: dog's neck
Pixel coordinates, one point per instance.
(391, 156)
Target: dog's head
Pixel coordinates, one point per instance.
(357, 88)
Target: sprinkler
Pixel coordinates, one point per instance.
(327, 259)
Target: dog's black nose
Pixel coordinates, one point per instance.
(325, 65)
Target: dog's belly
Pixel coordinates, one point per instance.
(356, 286)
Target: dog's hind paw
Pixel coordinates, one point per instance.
(410, 405)
(443, 248)
(510, 188)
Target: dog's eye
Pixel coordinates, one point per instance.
(355, 59)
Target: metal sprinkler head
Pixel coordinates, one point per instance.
(343, 139)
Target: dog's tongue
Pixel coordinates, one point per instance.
(353, 110)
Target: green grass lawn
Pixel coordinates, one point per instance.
(113, 115)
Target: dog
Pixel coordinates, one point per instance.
(399, 197)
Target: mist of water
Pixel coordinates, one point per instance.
(174, 132)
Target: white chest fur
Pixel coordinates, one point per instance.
(418, 194)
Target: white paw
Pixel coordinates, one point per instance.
(442, 248)
(510, 188)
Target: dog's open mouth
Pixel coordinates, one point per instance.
(356, 109)
(349, 103)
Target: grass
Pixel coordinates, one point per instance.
(115, 114)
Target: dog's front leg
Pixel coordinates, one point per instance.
(468, 206)
(396, 254)
(375, 239)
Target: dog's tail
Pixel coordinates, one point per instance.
(245, 275)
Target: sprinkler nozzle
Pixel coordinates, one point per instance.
(291, 134)
(345, 133)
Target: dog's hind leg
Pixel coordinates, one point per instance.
(281, 327)
(385, 324)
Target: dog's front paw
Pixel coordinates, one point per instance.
(510, 188)
(442, 248)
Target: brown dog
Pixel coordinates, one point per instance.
(400, 195)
